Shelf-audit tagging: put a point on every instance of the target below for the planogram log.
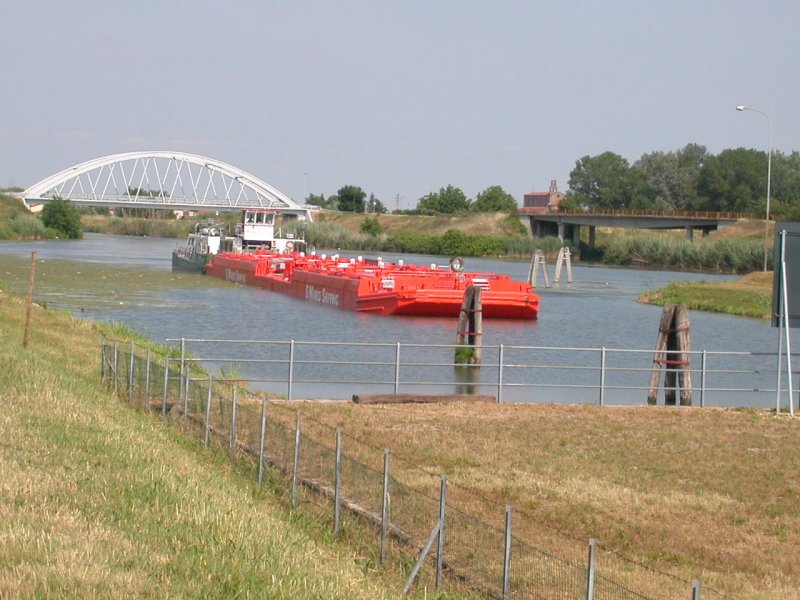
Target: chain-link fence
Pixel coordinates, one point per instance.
(449, 547)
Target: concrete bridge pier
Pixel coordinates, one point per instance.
(545, 228)
(576, 235)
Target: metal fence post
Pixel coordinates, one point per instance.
(291, 371)
(296, 467)
(397, 369)
(186, 380)
(703, 380)
(590, 571)
(440, 549)
(500, 375)
(696, 589)
(146, 400)
(385, 506)
(602, 375)
(233, 422)
(337, 482)
(130, 373)
(507, 557)
(207, 424)
(166, 388)
(183, 365)
(262, 441)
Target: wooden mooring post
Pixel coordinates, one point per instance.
(470, 328)
(538, 262)
(564, 258)
(672, 352)
(29, 304)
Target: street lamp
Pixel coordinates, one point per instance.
(742, 107)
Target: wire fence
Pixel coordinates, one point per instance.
(408, 514)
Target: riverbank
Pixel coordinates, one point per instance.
(97, 500)
(748, 296)
(736, 249)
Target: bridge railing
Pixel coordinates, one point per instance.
(632, 212)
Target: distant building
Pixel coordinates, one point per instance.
(543, 202)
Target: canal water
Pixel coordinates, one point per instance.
(599, 309)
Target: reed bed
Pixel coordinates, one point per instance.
(720, 256)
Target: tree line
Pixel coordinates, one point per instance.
(689, 179)
(448, 199)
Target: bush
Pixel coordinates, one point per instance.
(61, 216)
(28, 227)
(371, 226)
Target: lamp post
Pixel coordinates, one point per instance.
(742, 107)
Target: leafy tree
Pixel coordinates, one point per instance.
(602, 181)
(351, 198)
(63, 217)
(446, 200)
(317, 200)
(734, 180)
(785, 192)
(375, 206)
(494, 199)
(668, 180)
(146, 193)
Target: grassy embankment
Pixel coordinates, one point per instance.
(748, 296)
(99, 501)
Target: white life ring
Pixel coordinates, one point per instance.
(289, 246)
(457, 264)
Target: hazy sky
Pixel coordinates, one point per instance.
(396, 97)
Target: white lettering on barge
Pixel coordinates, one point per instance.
(235, 276)
(321, 296)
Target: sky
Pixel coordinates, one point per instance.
(400, 98)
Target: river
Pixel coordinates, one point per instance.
(599, 309)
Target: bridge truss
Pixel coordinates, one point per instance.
(157, 179)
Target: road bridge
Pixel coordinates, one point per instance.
(161, 179)
(567, 224)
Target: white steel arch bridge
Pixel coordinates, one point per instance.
(161, 179)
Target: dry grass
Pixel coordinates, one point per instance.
(477, 223)
(745, 229)
(705, 493)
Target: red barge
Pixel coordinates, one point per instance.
(368, 285)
